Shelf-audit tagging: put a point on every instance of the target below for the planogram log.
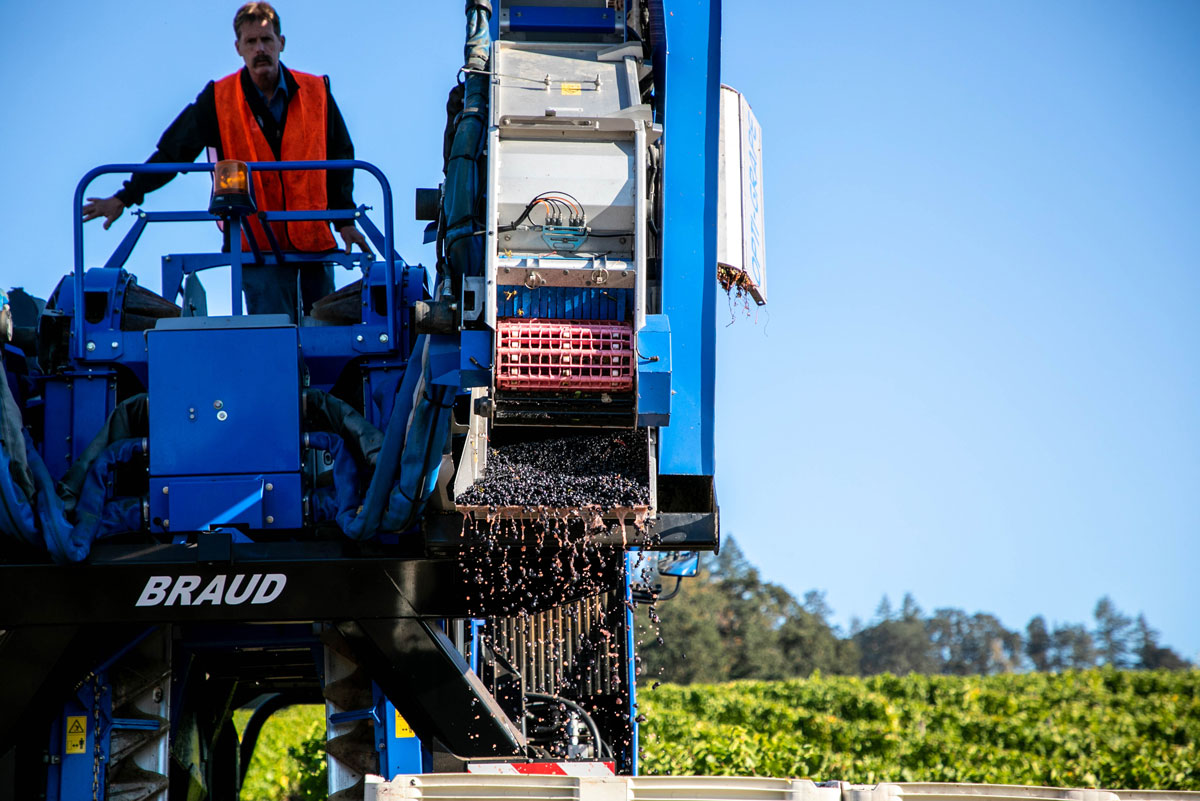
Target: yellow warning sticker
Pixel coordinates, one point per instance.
(403, 730)
(572, 88)
(76, 734)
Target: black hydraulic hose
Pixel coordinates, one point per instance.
(130, 419)
(462, 193)
(587, 719)
(325, 412)
(388, 462)
(255, 724)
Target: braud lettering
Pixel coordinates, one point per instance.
(221, 590)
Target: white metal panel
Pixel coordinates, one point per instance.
(729, 188)
(727, 788)
(568, 80)
(480, 787)
(741, 221)
(600, 174)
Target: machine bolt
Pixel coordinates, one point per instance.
(158, 695)
(116, 345)
(166, 490)
(217, 404)
(222, 415)
(166, 523)
(383, 337)
(270, 519)
(270, 487)
(359, 338)
(91, 346)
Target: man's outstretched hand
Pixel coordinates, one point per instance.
(109, 208)
(352, 236)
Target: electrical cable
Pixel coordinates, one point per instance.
(578, 205)
(555, 199)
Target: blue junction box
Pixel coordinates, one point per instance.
(225, 404)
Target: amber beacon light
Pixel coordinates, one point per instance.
(231, 189)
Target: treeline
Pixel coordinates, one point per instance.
(728, 624)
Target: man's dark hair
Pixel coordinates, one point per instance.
(259, 12)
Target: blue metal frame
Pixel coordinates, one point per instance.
(400, 750)
(93, 702)
(631, 662)
(236, 257)
(564, 19)
(689, 83)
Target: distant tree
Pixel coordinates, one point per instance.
(909, 610)
(681, 640)
(972, 644)
(1072, 647)
(896, 646)
(728, 623)
(749, 623)
(996, 649)
(1038, 643)
(809, 643)
(884, 612)
(948, 632)
(815, 604)
(730, 563)
(1152, 656)
(1113, 633)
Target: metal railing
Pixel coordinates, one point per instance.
(238, 258)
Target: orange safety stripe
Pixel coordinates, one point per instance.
(303, 140)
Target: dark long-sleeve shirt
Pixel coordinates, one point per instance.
(197, 128)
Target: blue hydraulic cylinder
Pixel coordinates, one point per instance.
(689, 81)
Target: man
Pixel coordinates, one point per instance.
(264, 112)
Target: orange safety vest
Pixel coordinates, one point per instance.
(303, 140)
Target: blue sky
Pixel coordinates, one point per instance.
(977, 378)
